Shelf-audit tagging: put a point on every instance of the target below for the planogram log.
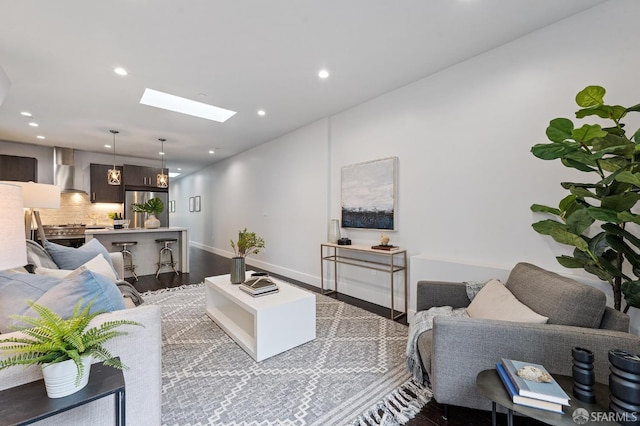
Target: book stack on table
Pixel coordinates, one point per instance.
(546, 396)
(259, 286)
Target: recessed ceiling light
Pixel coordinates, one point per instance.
(211, 151)
(261, 112)
(25, 113)
(33, 124)
(174, 174)
(174, 103)
(107, 146)
(179, 168)
(161, 153)
(120, 71)
(40, 137)
(323, 74)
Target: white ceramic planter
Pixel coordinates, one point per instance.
(60, 378)
(152, 222)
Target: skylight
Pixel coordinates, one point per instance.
(174, 103)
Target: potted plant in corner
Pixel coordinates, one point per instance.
(609, 199)
(152, 207)
(63, 347)
(248, 243)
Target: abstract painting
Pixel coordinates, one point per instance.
(369, 194)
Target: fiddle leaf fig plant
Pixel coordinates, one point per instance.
(605, 201)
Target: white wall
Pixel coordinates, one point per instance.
(462, 136)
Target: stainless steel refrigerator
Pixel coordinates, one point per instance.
(139, 197)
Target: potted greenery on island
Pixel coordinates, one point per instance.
(248, 243)
(63, 347)
(152, 207)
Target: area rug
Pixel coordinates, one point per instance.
(352, 373)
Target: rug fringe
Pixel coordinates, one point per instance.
(170, 289)
(398, 407)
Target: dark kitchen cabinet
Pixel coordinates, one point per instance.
(142, 177)
(101, 191)
(23, 169)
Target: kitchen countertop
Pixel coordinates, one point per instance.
(134, 230)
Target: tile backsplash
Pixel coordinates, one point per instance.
(77, 208)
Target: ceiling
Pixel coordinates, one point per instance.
(243, 55)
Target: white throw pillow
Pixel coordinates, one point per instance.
(496, 302)
(98, 265)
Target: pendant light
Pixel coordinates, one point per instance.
(163, 179)
(114, 175)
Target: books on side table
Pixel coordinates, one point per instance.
(260, 285)
(546, 396)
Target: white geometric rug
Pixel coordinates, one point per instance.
(352, 373)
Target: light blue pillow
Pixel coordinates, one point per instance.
(62, 297)
(72, 258)
(16, 289)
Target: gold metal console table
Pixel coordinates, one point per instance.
(345, 255)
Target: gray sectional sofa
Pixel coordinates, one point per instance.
(457, 349)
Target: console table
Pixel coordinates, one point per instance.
(28, 403)
(388, 261)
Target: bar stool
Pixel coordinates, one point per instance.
(126, 254)
(166, 248)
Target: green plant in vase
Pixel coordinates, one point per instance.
(53, 340)
(248, 243)
(152, 207)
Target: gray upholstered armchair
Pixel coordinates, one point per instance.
(457, 349)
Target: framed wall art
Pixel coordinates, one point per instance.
(172, 206)
(369, 194)
(192, 203)
(197, 203)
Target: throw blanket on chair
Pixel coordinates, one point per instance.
(423, 321)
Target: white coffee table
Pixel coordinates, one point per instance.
(262, 326)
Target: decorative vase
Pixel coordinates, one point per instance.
(152, 222)
(237, 270)
(624, 384)
(334, 231)
(584, 377)
(60, 378)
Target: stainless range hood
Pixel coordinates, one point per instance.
(64, 170)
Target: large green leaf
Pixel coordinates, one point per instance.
(631, 291)
(636, 138)
(553, 151)
(581, 156)
(566, 202)
(628, 177)
(613, 164)
(545, 227)
(628, 217)
(599, 272)
(570, 262)
(617, 243)
(539, 208)
(615, 112)
(635, 108)
(565, 237)
(605, 215)
(582, 193)
(579, 221)
(617, 230)
(620, 202)
(568, 162)
(590, 96)
(598, 244)
(559, 129)
(588, 132)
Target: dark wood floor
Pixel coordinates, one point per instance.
(204, 264)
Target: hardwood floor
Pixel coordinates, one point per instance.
(204, 264)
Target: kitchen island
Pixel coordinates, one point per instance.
(145, 253)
